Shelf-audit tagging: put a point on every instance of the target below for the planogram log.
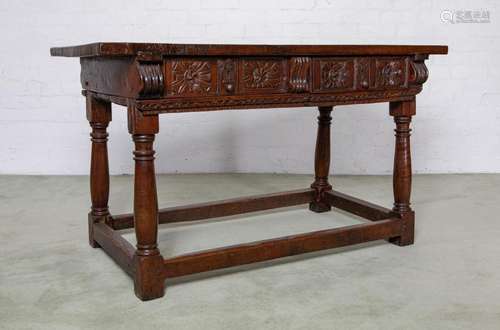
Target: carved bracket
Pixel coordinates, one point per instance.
(300, 68)
(150, 69)
(418, 71)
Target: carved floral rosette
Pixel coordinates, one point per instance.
(191, 77)
(261, 75)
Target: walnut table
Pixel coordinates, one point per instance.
(152, 79)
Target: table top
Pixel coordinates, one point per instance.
(131, 49)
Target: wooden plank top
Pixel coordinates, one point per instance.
(131, 49)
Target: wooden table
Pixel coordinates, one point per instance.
(152, 79)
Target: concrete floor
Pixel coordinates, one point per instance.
(450, 279)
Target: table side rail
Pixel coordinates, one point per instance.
(222, 208)
(115, 246)
(280, 247)
(358, 207)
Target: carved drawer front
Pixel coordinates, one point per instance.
(333, 74)
(191, 77)
(391, 73)
(262, 76)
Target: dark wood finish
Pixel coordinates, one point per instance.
(357, 206)
(151, 79)
(280, 247)
(131, 49)
(164, 78)
(145, 201)
(222, 208)
(402, 113)
(117, 76)
(148, 282)
(322, 162)
(99, 116)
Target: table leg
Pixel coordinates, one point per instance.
(148, 279)
(99, 116)
(402, 113)
(322, 161)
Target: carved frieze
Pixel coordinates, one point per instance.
(166, 105)
(263, 75)
(191, 77)
(336, 74)
(299, 74)
(299, 80)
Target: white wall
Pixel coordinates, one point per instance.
(43, 127)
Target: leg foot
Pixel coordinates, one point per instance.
(92, 242)
(319, 207)
(149, 282)
(408, 230)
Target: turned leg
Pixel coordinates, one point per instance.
(402, 113)
(148, 280)
(99, 116)
(322, 161)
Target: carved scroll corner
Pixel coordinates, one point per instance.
(300, 68)
(152, 78)
(418, 72)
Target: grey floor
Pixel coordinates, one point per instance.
(450, 279)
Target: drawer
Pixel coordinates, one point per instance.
(198, 77)
(359, 73)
